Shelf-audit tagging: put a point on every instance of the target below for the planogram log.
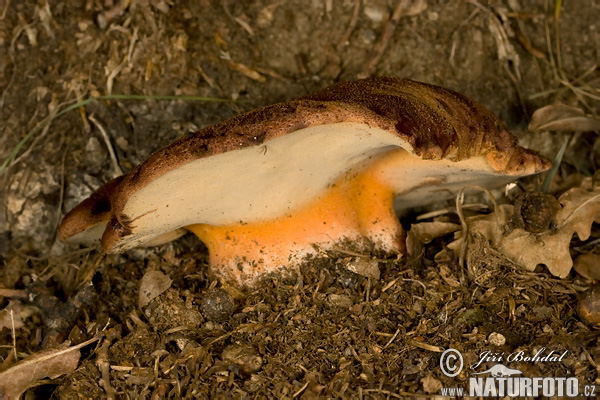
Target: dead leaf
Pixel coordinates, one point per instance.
(367, 268)
(153, 284)
(431, 384)
(580, 208)
(20, 313)
(448, 277)
(560, 117)
(586, 265)
(49, 363)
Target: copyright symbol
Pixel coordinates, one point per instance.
(451, 362)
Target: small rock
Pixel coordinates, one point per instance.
(163, 7)
(535, 211)
(419, 307)
(338, 300)
(244, 360)
(170, 311)
(376, 12)
(497, 339)
(14, 203)
(368, 36)
(539, 313)
(588, 307)
(367, 268)
(216, 305)
(433, 16)
(122, 143)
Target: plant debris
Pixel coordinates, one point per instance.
(49, 363)
(528, 248)
(561, 117)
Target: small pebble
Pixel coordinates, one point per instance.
(588, 307)
(216, 305)
(342, 301)
(376, 12)
(244, 359)
(497, 339)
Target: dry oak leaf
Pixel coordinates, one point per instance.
(580, 208)
(560, 117)
(586, 265)
(48, 363)
(431, 384)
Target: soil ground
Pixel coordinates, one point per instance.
(328, 332)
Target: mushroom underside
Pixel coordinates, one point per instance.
(265, 208)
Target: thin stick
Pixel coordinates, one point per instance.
(555, 165)
(300, 390)
(463, 222)
(104, 366)
(398, 395)
(61, 196)
(350, 27)
(14, 333)
(557, 7)
(5, 10)
(384, 38)
(549, 47)
(111, 151)
(11, 53)
(392, 339)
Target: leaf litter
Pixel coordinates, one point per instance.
(580, 208)
(45, 364)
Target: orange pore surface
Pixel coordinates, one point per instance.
(358, 206)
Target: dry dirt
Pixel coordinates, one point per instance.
(329, 332)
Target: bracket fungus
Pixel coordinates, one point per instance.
(263, 188)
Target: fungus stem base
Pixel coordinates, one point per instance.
(357, 208)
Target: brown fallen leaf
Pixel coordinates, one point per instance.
(424, 232)
(580, 208)
(448, 276)
(586, 265)
(560, 117)
(153, 284)
(364, 267)
(431, 384)
(49, 363)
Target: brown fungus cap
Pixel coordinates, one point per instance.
(435, 123)
(94, 210)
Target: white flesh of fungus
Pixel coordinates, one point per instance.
(264, 182)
